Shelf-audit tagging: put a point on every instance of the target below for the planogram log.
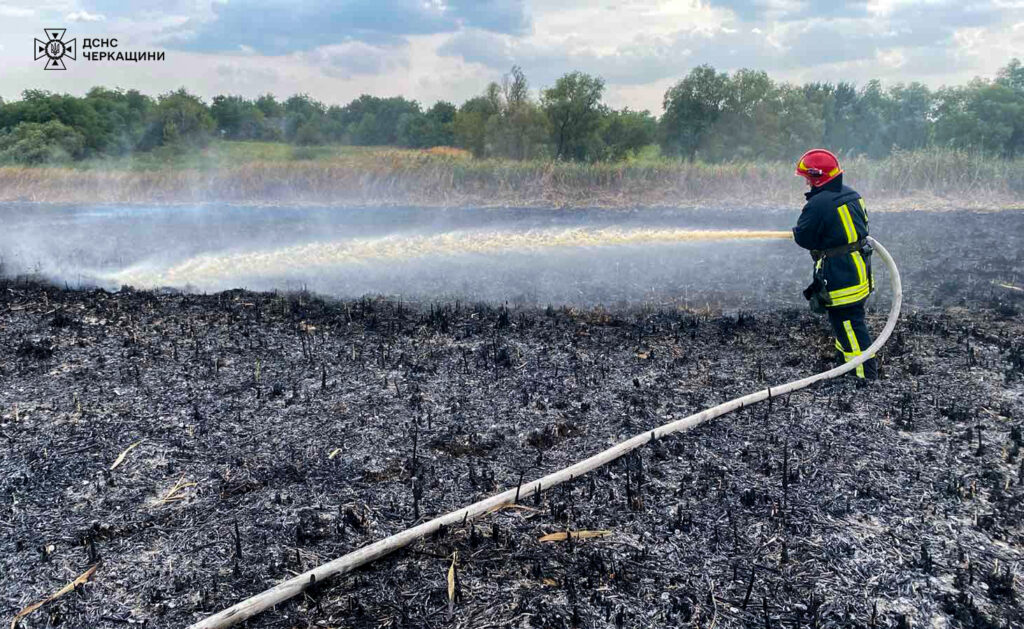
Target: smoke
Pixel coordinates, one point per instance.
(518, 256)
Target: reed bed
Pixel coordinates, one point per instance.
(925, 179)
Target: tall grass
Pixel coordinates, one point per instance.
(269, 174)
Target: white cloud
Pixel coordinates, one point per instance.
(894, 58)
(350, 59)
(84, 16)
(9, 11)
(238, 76)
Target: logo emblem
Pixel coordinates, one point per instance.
(54, 49)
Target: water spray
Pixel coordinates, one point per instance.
(363, 556)
(217, 270)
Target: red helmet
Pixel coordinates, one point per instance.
(818, 167)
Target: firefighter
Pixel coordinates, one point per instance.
(834, 227)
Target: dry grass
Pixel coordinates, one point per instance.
(449, 151)
(447, 177)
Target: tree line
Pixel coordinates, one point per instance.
(708, 115)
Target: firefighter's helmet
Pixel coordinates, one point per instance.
(818, 167)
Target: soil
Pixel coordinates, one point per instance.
(271, 432)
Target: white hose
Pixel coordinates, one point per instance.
(287, 589)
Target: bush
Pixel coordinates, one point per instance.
(310, 133)
(181, 121)
(41, 143)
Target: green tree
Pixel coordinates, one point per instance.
(983, 116)
(692, 106)
(747, 123)
(180, 121)
(503, 122)
(228, 113)
(370, 120)
(573, 110)
(955, 126)
(238, 118)
(387, 116)
(520, 130)
(1000, 112)
(800, 122)
(873, 121)
(494, 96)
(42, 106)
(269, 107)
(515, 89)
(364, 133)
(305, 113)
(442, 123)
(122, 117)
(909, 126)
(707, 114)
(273, 117)
(519, 133)
(36, 143)
(1012, 75)
(838, 109)
(415, 131)
(350, 117)
(470, 124)
(625, 132)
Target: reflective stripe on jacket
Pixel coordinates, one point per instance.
(836, 215)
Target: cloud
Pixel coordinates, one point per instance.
(84, 16)
(7, 11)
(639, 61)
(630, 64)
(809, 40)
(345, 61)
(789, 10)
(138, 8)
(500, 16)
(488, 49)
(278, 27)
(234, 74)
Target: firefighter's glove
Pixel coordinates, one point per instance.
(812, 289)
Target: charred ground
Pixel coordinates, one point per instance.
(274, 432)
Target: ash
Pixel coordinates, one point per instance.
(273, 432)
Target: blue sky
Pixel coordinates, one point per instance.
(433, 49)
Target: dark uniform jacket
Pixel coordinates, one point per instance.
(834, 216)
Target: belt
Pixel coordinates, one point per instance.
(841, 250)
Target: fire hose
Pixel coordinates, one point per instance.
(368, 554)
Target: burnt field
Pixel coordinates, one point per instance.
(201, 448)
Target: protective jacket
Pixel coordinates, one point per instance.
(831, 225)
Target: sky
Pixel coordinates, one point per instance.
(429, 50)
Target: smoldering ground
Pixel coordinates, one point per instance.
(275, 431)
